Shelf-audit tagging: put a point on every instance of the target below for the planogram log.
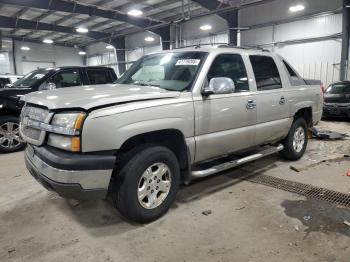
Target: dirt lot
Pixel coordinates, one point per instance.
(247, 222)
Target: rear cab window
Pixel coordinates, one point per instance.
(294, 78)
(99, 76)
(266, 72)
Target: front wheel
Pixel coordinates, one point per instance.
(10, 140)
(296, 141)
(146, 185)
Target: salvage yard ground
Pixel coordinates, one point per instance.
(220, 218)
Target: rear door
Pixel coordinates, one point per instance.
(271, 99)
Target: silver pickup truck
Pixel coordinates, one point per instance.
(170, 118)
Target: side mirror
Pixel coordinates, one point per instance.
(219, 85)
(47, 86)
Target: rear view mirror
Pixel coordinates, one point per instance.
(220, 85)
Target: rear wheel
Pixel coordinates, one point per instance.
(146, 185)
(10, 140)
(296, 141)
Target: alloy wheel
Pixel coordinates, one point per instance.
(154, 185)
(299, 139)
(9, 135)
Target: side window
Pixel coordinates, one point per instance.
(231, 66)
(266, 73)
(294, 79)
(99, 76)
(67, 78)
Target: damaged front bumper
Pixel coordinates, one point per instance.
(76, 176)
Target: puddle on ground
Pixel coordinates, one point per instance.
(318, 216)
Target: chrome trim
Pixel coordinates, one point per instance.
(50, 128)
(88, 179)
(236, 162)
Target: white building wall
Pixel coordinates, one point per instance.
(213, 39)
(314, 27)
(316, 59)
(136, 46)
(97, 49)
(134, 54)
(6, 57)
(190, 30)
(258, 36)
(279, 10)
(44, 55)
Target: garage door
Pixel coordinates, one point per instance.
(29, 66)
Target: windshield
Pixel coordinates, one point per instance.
(31, 78)
(341, 88)
(171, 71)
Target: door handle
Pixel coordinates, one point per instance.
(251, 104)
(283, 101)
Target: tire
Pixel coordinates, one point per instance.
(296, 142)
(137, 194)
(10, 142)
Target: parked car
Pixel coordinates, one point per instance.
(337, 100)
(8, 80)
(163, 123)
(39, 80)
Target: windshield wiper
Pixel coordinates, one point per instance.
(145, 84)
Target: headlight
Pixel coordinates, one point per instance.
(66, 128)
(68, 120)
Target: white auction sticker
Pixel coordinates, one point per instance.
(194, 62)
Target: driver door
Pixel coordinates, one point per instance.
(225, 123)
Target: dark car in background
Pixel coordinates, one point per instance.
(38, 80)
(8, 80)
(337, 100)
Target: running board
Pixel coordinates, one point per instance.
(228, 165)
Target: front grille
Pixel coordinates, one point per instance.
(30, 134)
(35, 113)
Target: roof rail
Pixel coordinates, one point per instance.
(199, 45)
(243, 47)
(225, 45)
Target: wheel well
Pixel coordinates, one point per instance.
(170, 138)
(9, 113)
(305, 113)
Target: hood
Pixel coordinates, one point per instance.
(87, 97)
(14, 93)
